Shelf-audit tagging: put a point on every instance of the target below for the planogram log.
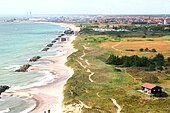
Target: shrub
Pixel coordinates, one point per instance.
(151, 67)
(146, 49)
(144, 36)
(153, 50)
(159, 59)
(160, 68)
(130, 50)
(169, 60)
(141, 49)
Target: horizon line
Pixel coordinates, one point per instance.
(88, 14)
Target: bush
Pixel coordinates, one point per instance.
(160, 68)
(169, 60)
(153, 50)
(141, 49)
(130, 50)
(151, 67)
(144, 36)
(150, 79)
(159, 59)
(146, 49)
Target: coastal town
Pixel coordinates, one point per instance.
(97, 19)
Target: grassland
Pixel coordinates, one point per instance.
(109, 81)
(160, 44)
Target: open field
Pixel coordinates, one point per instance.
(95, 85)
(160, 44)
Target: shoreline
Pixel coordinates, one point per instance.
(50, 96)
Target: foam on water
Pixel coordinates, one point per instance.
(12, 67)
(5, 110)
(29, 109)
(45, 78)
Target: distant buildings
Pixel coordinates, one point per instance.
(165, 22)
(106, 29)
(120, 19)
(99, 19)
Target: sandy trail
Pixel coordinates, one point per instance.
(91, 74)
(117, 105)
(86, 61)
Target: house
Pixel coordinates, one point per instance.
(151, 89)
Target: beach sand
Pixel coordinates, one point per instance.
(50, 96)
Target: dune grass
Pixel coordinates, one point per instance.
(109, 82)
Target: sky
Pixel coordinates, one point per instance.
(11, 7)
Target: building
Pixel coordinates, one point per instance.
(165, 22)
(63, 39)
(151, 89)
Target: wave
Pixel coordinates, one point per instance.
(47, 78)
(5, 110)
(12, 67)
(28, 110)
(2, 100)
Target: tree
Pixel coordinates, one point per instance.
(153, 50)
(151, 67)
(160, 68)
(150, 79)
(110, 60)
(169, 60)
(146, 49)
(141, 49)
(159, 59)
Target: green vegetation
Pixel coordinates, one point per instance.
(147, 50)
(128, 61)
(144, 31)
(109, 80)
(150, 79)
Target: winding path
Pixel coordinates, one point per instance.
(86, 61)
(117, 105)
(81, 58)
(84, 105)
(90, 75)
(116, 46)
(81, 105)
(81, 64)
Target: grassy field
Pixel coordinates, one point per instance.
(160, 44)
(109, 81)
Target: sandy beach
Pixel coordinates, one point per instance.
(50, 96)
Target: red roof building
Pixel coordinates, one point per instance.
(151, 88)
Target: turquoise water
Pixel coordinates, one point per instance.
(18, 43)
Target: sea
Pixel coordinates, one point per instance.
(20, 41)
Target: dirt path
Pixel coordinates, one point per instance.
(98, 94)
(134, 79)
(117, 105)
(84, 105)
(86, 61)
(81, 64)
(116, 46)
(81, 58)
(90, 75)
